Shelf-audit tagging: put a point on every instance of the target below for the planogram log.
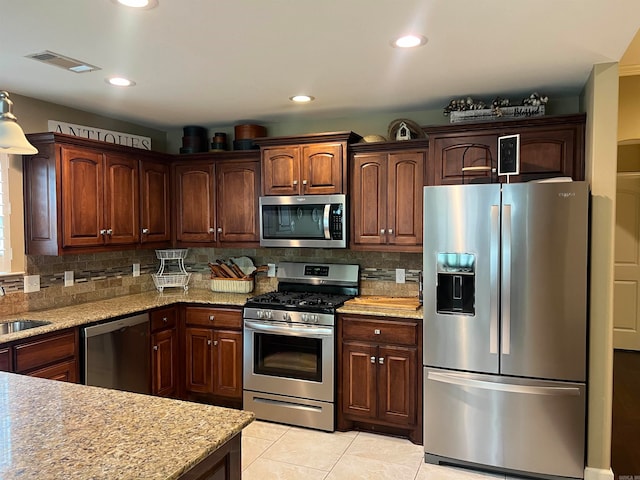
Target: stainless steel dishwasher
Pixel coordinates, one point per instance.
(117, 354)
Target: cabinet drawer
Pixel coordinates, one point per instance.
(63, 371)
(45, 351)
(165, 318)
(214, 317)
(403, 332)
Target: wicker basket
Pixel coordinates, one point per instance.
(231, 285)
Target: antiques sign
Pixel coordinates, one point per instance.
(93, 133)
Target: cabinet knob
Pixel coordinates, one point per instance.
(103, 231)
(304, 182)
(212, 230)
(376, 331)
(155, 347)
(212, 317)
(381, 360)
(295, 182)
(382, 231)
(219, 229)
(165, 319)
(145, 231)
(373, 359)
(391, 231)
(109, 231)
(215, 343)
(208, 342)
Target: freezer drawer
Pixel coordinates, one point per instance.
(519, 425)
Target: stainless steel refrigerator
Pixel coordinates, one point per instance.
(505, 326)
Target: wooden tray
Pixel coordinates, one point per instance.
(378, 301)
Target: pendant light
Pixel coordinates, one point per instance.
(12, 139)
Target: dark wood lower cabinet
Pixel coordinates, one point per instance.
(164, 352)
(54, 356)
(225, 463)
(213, 355)
(5, 359)
(380, 386)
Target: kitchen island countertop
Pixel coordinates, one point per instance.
(51, 429)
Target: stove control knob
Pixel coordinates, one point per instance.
(286, 317)
(260, 314)
(268, 314)
(314, 318)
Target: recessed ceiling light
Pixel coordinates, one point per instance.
(409, 41)
(302, 98)
(142, 4)
(120, 82)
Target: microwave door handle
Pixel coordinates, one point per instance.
(325, 221)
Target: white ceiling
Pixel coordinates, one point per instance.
(220, 62)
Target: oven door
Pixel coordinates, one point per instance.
(289, 359)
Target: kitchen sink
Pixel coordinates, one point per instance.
(18, 325)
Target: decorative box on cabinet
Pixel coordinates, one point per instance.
(305, 165)
(216, 197)
(549, 147)
(83, 195)
(213, 354)
(164, 352)
(379, 375)
(386, 195)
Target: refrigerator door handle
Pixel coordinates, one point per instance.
(506, 279)
(463, 381)
(494, 263)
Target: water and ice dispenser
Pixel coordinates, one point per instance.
(456, 286)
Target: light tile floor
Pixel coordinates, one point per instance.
(271, 451)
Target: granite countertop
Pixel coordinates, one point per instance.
(52, 429)
(85, 313)
(381, 312)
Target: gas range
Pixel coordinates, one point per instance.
(307, 293)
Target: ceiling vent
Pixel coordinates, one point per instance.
(61, 61)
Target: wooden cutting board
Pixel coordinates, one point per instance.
(379, 301)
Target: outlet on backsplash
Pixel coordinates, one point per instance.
(31, 283)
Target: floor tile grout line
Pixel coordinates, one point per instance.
(343, 453)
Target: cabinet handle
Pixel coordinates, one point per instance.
(381, 360)
(165, 319)
(391, 231)
(215, 343)
(155, 347)
(373, 359)
(295, 182)
(212, 230)
(145, 231)
(219, 229)
(208, 342)
(212, 318)
(109, 231)
(103, 231)
(376, 331)
(304, 182)
(382, 231)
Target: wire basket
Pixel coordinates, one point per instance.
(172, 254)
(171, 280)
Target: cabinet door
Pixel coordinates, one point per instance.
(448, 155)
(359, 366)
(546, 152)
(199, 375)
(121, 200)
(5, 359)
(238, 193)
(155, 211)
(163, 362)
(227, 347)
(369, 197)
(63, 371)
(82, 197)
(281, 171)
(404, 198)
(195, 209)
(397, 380)
(322, 169)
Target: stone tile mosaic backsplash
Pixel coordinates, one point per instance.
(100, 276)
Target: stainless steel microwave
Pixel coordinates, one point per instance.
(315, 221)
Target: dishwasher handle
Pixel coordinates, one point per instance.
(115, 325)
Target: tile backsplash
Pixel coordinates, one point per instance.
(100, 276)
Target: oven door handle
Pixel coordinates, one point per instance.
(288, 329)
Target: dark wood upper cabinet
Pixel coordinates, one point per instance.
(549, 147)
(216, 198)
(155, 201)
(84, 195)
(386, 196)
(305, 165)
